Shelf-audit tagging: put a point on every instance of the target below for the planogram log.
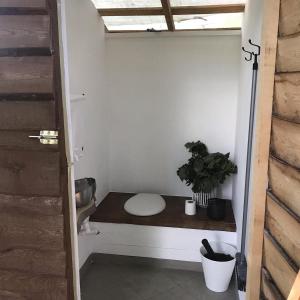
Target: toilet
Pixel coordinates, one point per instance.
(145, 205)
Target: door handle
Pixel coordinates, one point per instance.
(46, 137)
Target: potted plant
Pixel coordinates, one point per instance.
(205, 171)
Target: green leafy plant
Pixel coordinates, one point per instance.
(205, 171)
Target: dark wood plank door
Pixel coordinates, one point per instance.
(35, 241)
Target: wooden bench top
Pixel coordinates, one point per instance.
(111, 211)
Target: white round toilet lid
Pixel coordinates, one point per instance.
(145, 205)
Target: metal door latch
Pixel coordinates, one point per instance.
(47, 137)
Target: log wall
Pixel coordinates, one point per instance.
(281, 248)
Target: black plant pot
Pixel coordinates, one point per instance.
(216, 209)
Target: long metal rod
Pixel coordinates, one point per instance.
(241, 261)
(249, 155)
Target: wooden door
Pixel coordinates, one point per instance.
(275, 227)
(35, 239)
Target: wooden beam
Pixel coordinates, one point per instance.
(26, 96)
(208, 9)
(177, 30)
(269, 289)
(46, 206)
(24, 32)
(261, 147)
(21, 52)
(288, 57)
(18, 11)
(178, 10)
(168, 14)
(277, 214)
(151, 11)
(133, 31)
(285, 141)
(287, 95)
(32, 286)
(29, 169)
(31, 115)
(23, 3)
(284, 182)
(32, 74)
(33, 261)
(209, 29)
(289, 17)
(281, 268)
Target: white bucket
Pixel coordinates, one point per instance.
(217, 274)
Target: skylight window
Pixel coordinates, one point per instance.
(210, 21)
(126, 3)
(171, 15)
(135, 23)
(204, 2)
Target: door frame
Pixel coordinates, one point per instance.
(262, 146)
(66, 101)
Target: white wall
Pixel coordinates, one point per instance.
(251, 30)
(86, 59)
(87, 75)
(164, 92)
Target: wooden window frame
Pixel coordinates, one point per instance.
(169, 11)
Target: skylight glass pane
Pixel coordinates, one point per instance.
(204, 2)
(135, 23)
(211, 21)
(126, 3)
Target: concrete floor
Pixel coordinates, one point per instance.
(108, 277)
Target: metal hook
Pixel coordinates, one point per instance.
(251, 54)
(255, 45)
